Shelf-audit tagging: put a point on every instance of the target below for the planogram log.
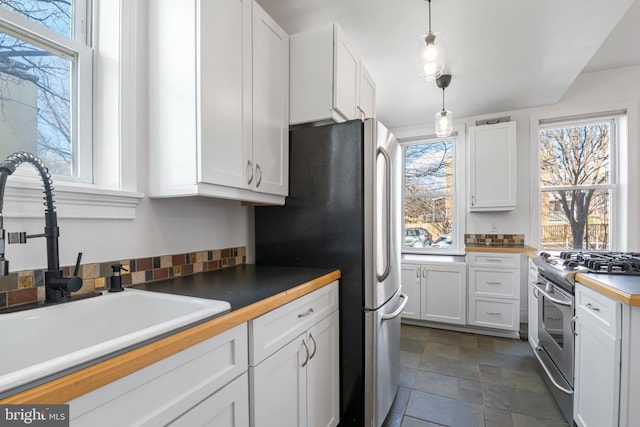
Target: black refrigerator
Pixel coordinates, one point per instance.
(343, 211)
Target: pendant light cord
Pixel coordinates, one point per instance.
(443, 98)
(429, 1)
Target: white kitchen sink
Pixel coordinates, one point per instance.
(43, 341)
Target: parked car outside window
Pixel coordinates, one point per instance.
(444, 241)
(417, 238)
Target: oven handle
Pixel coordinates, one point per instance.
(567, 303)
(558, 386)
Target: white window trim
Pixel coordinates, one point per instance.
(113, 195)
(459, 219)
(625, 227)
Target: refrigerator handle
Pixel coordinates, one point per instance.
(396, 313)
(387, 187)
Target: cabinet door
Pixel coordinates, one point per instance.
(323, 373)
(279, 387)
(228, 407)
(410, 279)
(444, 294)
(597, 375)
(367, 96)
(345, 77)
(270, 105)
(224, 79)
(493, 167)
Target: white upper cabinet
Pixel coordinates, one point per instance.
(218, 101)
(367, 96)
(493, 167)
(270, 105)
(327, 79)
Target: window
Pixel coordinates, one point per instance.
(45, 84)
(431, 195)
(578, 182)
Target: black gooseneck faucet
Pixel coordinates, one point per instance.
(57, 286)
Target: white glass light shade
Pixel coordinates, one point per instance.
(444, 123)
(431, 56)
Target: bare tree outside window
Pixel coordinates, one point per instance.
(428, 191)
(575, 183)
(36, 86)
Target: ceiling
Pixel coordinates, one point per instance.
(502, 54)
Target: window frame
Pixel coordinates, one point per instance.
(458, 136)
(77, 47)
(113, 112)
(621, 173)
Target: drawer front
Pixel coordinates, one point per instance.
(603, 310)
(494, 259)
(493, 313)
(162, 391)
(494, 282)
(273, 330)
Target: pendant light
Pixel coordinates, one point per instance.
(444, 118)
(431, 54)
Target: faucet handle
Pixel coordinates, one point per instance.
(76, 270)
(17, 237)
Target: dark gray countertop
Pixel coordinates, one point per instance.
(240, 286)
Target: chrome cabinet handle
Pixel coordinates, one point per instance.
(424, 272)
(315, 346)
(473, 200)
(494, 283)
(493, 313)
(494, 260)
(259, 173)
(573, 325)
(591, 307)
(250, 169)
(306, 313)
(307, 350)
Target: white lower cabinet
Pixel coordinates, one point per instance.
(437, 292)
(296, 383)
(597, 359)
(205, 384)
(494, 290)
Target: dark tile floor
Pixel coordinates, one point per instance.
(465, 380)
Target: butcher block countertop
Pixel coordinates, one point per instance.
(499, 248)
(251, 290)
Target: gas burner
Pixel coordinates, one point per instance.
(622, 263)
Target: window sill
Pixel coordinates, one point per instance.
(24, 199)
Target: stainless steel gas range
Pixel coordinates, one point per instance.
(554, 289)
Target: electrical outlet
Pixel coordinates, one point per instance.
(493, 227)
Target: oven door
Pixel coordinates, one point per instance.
(555, 329)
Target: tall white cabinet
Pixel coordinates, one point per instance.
(218, 101)
(492, 167)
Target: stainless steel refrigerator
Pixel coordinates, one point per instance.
(343, 211)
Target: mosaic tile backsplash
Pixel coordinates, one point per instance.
(494, 239)
(27, 286)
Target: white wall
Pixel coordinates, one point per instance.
(591, 92)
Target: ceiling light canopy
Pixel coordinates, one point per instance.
(431, 53)
(444, 118)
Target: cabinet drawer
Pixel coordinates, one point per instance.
(494, 259)
(278, 327)
(500, 283)
(162, 391)
(491, 313)
(600, 308)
